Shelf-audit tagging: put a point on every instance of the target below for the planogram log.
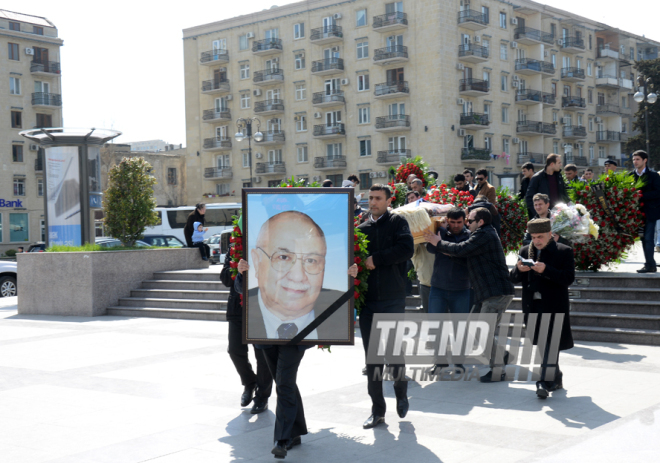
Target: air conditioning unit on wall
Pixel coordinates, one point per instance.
(460, 101)
(258, 155)
(336, 16)
(257, 92)
(460, 66)
(515, 140)
(514, 44)
(34, 147)
(250, 35)
(461, 132)
(317, 115)
(344, 81)
(257, 179)
(316, 178)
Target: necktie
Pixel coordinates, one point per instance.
(287, 330)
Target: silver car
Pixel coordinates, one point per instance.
(8, 275)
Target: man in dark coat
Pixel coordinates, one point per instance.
(548, 181)
(545, 291)
(257, 385)
(651, 208)
(195, 216)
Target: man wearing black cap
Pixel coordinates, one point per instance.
(545, 291)
(610, 165)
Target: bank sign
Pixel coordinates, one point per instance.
(5, 203)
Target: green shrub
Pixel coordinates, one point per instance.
(11, 252)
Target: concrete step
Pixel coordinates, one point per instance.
(611, 293)
(625, 280)
(184, 284)
(187, 275)
(172, 303)
(605, 306)
(615, 320)
(222, 295)
(162, 312)
(618, 335)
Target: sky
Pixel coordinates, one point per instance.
(122, 65)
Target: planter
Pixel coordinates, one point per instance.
(85, 284)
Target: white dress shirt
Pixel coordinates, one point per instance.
(273, 322)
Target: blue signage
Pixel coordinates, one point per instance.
(96, 200)
(16, 203)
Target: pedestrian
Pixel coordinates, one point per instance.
(588, 175)
(352, 182)
(357, 209)
(527, 174)
(418, 186)
(487, 269)
(651, 206)
(411, 197)
(198, 241)
(390, 246)
(327, 183)
(545, 291)
(460, 183)
(409, 180)
(548, 181)
(469, 178)
(542, 211)
(571, 173)
(422, 262)
(610, 166)
(195, 216)
(482, 201)
(20, 250)
(257, 387)
(484, 188)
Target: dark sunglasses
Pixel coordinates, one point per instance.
(471, 220)
(480, 178)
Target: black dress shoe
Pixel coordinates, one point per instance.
(280, 449)
(646, 269)
(373, 421)
(541, 390)
(293, 442)
(259, 407)
(364, 371)
(402, 407)
(248, 395)
(488, 377)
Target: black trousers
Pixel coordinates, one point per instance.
(375, 386)
(204, 248)
(238, 352)
(283, 362)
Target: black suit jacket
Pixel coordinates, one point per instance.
(336, 328)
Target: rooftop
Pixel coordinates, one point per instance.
(26, 18)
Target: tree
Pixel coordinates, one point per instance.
(648, 68)
(129, 201)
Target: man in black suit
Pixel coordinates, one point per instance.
(651, 206)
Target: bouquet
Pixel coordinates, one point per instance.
(572, 222)
(445, 195)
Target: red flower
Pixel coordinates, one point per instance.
(356, 295)
(357, 260)
(356, 282)
(356, 248)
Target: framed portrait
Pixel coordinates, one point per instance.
(299, 245)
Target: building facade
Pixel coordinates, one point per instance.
(351, 87)
(30, 97)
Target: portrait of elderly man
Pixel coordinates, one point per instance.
(289, 262)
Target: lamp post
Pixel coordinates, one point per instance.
(245, 131)
(646, 86)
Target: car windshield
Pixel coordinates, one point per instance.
(174, 242)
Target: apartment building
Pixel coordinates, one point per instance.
(30, 97)
(344, 88)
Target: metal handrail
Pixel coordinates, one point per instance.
(390, 19)
(395, 51)
(470, 49)
(325, 32)
(391, 87)
(327, 64)
(50, 99)
(267, 44)
(472, 16)
(214, 55)
(534, 34)
(534, 65)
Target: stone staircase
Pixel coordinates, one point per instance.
(184, 294)
(605, 307)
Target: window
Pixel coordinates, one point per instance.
(362, 49)
(275, 157)
(18, 227)
(554, 61)
(554, 89)
(589, 69)
(364, 115)
(221, 161)
(303, 154)
(246, 159)
(624, 127)
(245, 100)
(17, 153)
(591, 152)
(243, 42)
(555, 117)
(365, 181)
(301, 92)
(488, 143)
(16, 120)
(19, 186)
(221, 189)
(301, 123)
(504, 82)
(361, 18)
(505, 114)
(591, 124)
(245, 71)
(298, 31)
(580, 150)
(486, 76)
(37, 30)
(504, 52)
(580, 120)
(486, 44)
(13, 51)
(555, 147)
(40, 186)
(365, 147)
(503, 20)
(299, 60)
(363, 82)
(335, 179)
(578, 63)
(44, 120)
(14, 86)
(333, 151)
(14, 26)
(601, 152)
(590, 96)
(505, 145)
(274, 183)
(624, 102)
(171, 176)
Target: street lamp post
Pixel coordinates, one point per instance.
(245, 131)
(646, 86)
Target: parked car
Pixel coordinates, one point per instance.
(8, 274)
(113, 242)
(169, 241)
(39, 246)
(214, 245)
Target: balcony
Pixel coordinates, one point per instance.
(326, 34)
(267, 47)
(605, 81)
(607, 53)
(391, 55)
(327, 163)
(46, 100)
(397, 20)
(392, 157)
(209, 58)
(608, 136)
(531, 97)
(391, 90)
(217, 144)
(214, 115)
(272, 137)
(328, 66)
(39, 164)
(322, 99)
(45, 68)
(210, 87)
(535, 128)
(537, 159)
(581, 161)
(220, 173)
(473, 87)
(574, 131)
(573, 103)
(270, 168)
(472, 53)
(529, 36)
(572, 74)
(394, 123)
(531, 67)
(476, 154)
(473, 20)
(329, 131)
(608, 110)
(268, 107)
(268, 77)
(475, 121)
(571, 44)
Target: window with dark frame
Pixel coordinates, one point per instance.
(336, 179)
(17, 153)
(44, 120)
(365, 181)
(37, 30)
(13, 51)
(13, 26)
(16, 120)
(171, 176)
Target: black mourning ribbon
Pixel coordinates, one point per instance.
(323, 317)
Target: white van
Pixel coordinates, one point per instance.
(218, 217)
